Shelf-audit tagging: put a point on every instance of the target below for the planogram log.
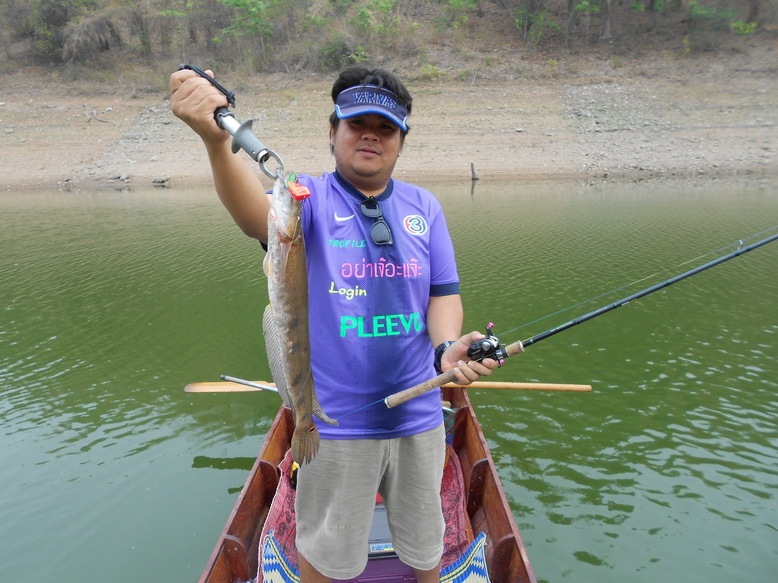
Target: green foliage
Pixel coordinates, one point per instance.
(704, 14)
(655, 6)
(533, 25)
(741, 28)
(252, 31)
(359, 55)
(458, 11)
(376, 17)
(329, 34)
(341, 6)
(45, 40)
(364, 20)
(47, 22)
(251, 18)
(313, 23)
(430, 72)
(46, 25)
(687, 46)
(334, 53)
(174, 12)
(588, 6)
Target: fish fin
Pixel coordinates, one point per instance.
(275, 353)
(287, 239)
(305, 443)
(267, 265)
(283, 254)
(298, 230)
(317, 410)
(316, 407)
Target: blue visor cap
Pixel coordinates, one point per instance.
(363, 99)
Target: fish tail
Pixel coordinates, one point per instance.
(305, 443)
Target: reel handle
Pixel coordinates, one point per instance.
(488, 347)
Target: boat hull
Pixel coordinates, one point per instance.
(235, 557)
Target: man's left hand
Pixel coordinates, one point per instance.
(466, 370)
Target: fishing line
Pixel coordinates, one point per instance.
(373, 404)
(740, 243)
(490, 347)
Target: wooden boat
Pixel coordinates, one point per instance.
(235, 558)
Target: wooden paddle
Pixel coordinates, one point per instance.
(233, 387)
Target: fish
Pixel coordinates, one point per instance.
(285, 321)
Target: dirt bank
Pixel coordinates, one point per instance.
(716, 115)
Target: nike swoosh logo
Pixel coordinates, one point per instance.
(341, 219)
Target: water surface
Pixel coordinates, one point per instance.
(113, 301)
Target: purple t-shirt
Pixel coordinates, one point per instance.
(368, 305)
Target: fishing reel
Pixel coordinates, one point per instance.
(488, 347)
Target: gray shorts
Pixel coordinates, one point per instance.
(336, 496)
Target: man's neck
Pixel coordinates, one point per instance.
(364, 192)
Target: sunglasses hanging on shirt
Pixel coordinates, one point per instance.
(379, 232)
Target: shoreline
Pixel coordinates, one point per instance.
(651, 119)
(183, 183)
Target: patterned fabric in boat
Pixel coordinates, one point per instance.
(469, 568)
(278, 554)
(275, 567)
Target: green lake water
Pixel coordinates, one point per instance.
(668, 471)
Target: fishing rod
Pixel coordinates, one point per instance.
(242, 136)
(490, 347)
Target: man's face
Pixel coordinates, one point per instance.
(366, 148)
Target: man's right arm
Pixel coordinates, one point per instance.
(193, 100)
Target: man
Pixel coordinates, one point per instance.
(384, 306)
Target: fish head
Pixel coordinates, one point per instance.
(287, 203)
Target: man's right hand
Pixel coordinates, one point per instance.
(193, 100)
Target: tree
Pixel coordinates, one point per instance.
(607, 28)
(758, 11)
(46, 25)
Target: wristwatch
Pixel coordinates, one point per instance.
(439, 350)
